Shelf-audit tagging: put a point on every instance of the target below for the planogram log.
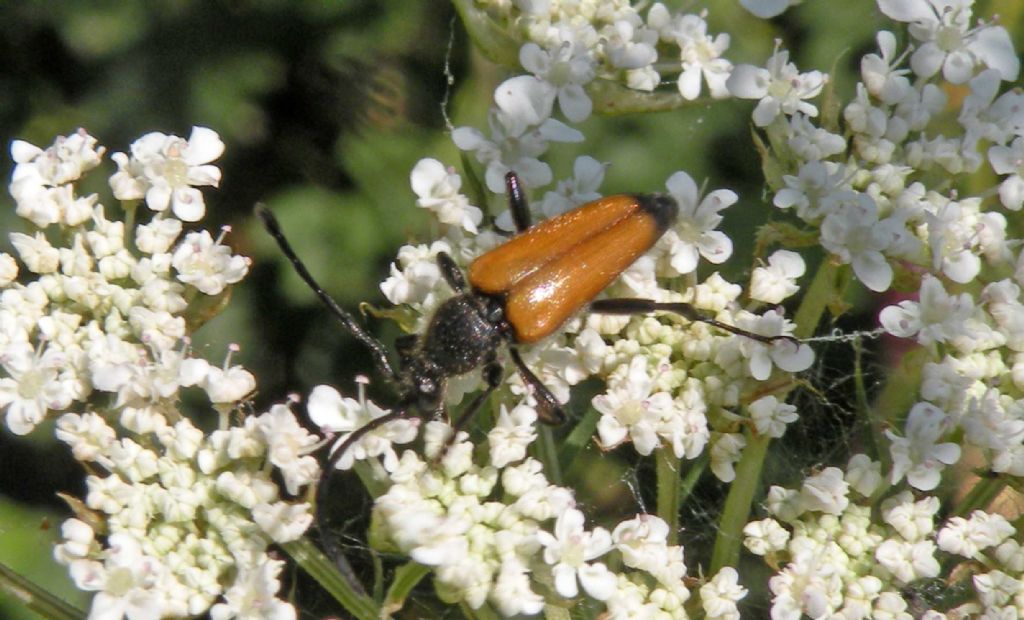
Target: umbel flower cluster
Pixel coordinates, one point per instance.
(894, 187)
(94, 334)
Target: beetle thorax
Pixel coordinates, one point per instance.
(461, 336)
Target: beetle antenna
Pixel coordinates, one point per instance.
(380, 356)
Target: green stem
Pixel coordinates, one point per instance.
(693, 474)
(321, 569)
(33, 596)
(743, 489)
(980, 496)
(406, 578)
(549, 455)
(736, 512)
(667, 472)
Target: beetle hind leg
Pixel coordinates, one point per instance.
(644, 306)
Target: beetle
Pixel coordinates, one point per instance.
(517, 293)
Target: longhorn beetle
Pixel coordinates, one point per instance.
(518, 293)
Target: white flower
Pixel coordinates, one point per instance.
(415, 278)
(786, 354)
(726, 450)
(780, 88)
(207, 264)
(913, 520)
(694, 234)
(937, 317)
(41, 183)
(8, 269)
(879, 73)
(511, 593)
(968, 537)
(857, 237)
(127, 583)
(950, 41)
(917, 455)
(437, 189)
(332, 413)
(283, 522)
(567, 68)
(777, 281)
(629, 408)
(1010, 160)
(863, 474)
(35, 384)
(166, 169)
(825, 492)
(771, 416)
(570, 550)
(36, 252)
(720, 595)
(521, 129)
(628, 45)
(699, 52)
(908, 561)
(512, 434)
(765, 536)
(251, 596)
(288, 447)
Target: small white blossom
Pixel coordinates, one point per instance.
(917, 455)
(333, 413)
(569, 551)
(166, 169)
(568, 67)
(629, 409)
(512, 434)
(937, 317)
(437, 189)
(950, 41)
(694, 234)
(780, 88)
(771, 416)
(777, 281)
(207, 264)
(719, 596)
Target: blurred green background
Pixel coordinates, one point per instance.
(325, 105)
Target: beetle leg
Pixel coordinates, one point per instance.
(549, 410)
(517, 204)
(406, 347)
(377, 350)
(643, 306)
(451, 272)
(332, 549)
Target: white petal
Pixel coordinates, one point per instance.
(575, 103)
(927, 60)
(907, 10)
(994, 47)
(525, 98)
(748, 82)
(873, 270)
(204, 146)
(1011, 192)
(598, 581)
(715, 246)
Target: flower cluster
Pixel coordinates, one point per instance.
(836, 561)
(487, 532)
(94, 331)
